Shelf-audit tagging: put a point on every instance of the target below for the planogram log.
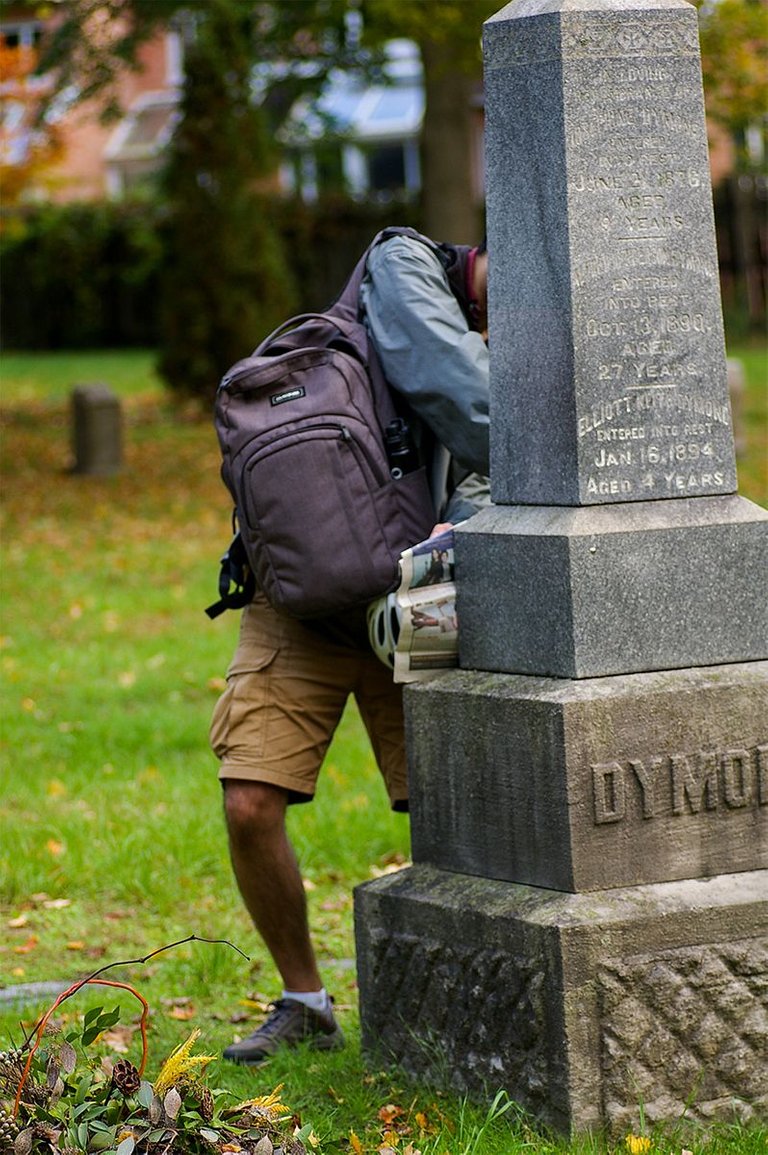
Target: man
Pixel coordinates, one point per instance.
(288, 683)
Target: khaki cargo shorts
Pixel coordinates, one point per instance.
(286, 691)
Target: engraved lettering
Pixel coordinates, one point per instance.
(608, 791)
(762, 775)
(695, 783)
(622, 457)
(609, 485)
(681, 784)
(687, 482)
(634, 433)
(605, 411)
(646, 777)
(737, 788)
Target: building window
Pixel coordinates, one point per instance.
(24, 34)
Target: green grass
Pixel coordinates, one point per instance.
(51, 376)
(111, 836)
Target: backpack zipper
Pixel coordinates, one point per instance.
(345, 434)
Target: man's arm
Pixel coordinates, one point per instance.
(426, 349)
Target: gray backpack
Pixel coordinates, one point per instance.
(328, 488)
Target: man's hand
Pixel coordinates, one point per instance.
(441, 527)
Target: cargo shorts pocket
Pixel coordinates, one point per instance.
(239, 718)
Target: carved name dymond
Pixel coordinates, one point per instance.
(680, 784)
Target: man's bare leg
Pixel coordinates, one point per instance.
(269, 878)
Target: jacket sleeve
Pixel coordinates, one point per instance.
(426, 349)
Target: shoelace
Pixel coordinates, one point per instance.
(281, 1011)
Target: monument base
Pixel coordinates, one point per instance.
(615, 589)
(589, 783)
(589, 1010)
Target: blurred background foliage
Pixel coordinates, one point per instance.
(205, 258)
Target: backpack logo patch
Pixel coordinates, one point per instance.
(288, 395)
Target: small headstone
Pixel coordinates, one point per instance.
(97, 436)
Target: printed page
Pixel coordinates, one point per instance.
(426, 597)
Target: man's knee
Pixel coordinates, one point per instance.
(253, 809)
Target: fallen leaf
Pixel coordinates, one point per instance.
(57, 903)
(261, 1003)
(390, 1112)
(390, 868)
(76, 944)
(55, 788)
(55, 848)
(239, 1017)
(17, 923)
(182, 1013)
(355, 1143)
(119, 1039)
(28, 946)
(424, 1125)
(126, 679)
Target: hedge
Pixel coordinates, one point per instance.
(87, 275)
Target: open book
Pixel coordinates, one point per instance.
(426, 598)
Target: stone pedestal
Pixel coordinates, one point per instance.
(585, 592)
(579, 785)
(593, 1011)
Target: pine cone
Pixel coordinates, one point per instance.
(206, 1103)
(125, 1077)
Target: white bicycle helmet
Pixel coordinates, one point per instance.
(384, 621)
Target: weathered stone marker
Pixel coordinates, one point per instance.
(97, 433)
(586, 921)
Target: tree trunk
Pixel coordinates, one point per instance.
(451, 211)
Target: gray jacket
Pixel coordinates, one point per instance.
(432, 357)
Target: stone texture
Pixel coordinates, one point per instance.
(581, 593)
(586, 1009)
(608, 366)
(591, 784)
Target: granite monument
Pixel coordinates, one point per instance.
(585, 923)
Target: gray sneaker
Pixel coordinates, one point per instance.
(289, 1024)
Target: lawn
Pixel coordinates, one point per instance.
(111, 835)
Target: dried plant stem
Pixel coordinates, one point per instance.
(65, 995)
(38, 1030)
